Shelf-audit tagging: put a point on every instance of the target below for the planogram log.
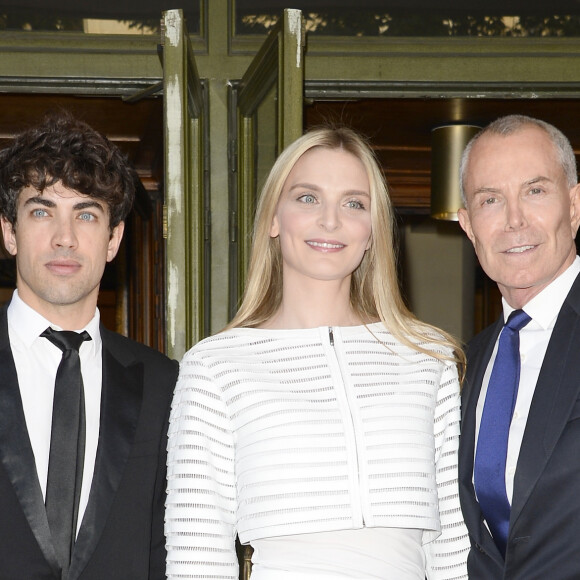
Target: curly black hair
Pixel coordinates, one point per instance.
(63, 148)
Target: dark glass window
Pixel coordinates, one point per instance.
(99, 16)
(396, 18)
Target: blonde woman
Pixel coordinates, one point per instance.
(322, 424)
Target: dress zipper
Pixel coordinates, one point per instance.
(331, 340)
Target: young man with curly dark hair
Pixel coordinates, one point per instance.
(65, 192)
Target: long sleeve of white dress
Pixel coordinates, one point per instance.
(201, 507)
(447, 553)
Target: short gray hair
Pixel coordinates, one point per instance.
(512, 124)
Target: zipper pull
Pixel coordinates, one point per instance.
(331, 336)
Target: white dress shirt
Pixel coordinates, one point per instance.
(534, 338)
(37, 361)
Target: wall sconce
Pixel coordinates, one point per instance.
(447, 145)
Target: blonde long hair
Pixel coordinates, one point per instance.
(374, 290)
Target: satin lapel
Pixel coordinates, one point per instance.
(556, 391)
(122, 392)
(478, 355)
(16, 452)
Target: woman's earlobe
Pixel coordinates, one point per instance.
(274, 229)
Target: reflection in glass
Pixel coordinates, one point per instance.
(416, 18)
(101, 17)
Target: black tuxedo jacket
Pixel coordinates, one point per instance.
(544, 535)
(121, 535)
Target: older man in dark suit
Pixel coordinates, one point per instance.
(83, 411)
(520, 444)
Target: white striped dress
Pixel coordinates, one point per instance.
(282, 432)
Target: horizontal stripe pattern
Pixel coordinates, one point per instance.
(278, 432)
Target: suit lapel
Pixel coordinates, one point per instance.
(16, 453)
(121, 398)
(479, 354)
(556, 391)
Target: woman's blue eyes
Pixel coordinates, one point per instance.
(351, 204)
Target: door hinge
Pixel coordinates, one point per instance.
(165, 222)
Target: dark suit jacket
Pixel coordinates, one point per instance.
(544, 536)
(121, 535)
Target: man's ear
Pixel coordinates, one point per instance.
(8, 235)
(115, 241)
(465, 223)
(575, 208)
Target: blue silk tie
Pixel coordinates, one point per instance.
(491, 454)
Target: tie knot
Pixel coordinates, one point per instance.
(517, 320)
(66, 339)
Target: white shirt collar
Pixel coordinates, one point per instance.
(545, 306)
(28, 324)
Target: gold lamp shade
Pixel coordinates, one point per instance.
(447, 145)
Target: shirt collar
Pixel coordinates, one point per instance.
(28, 324)
(545, 306)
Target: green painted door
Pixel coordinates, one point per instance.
(186, 205)
(267, 110)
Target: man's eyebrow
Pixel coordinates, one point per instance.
(538, 179)
(89, 203)
(37, 199)
(526, 183)
(483, 190)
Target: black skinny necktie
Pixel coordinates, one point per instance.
(67, 445)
